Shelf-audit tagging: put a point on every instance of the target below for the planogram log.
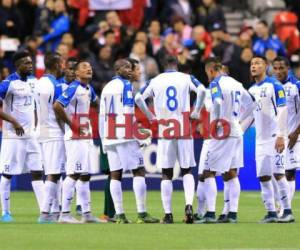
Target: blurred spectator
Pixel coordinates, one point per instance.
(83, 8)
(182, 30)
(10, 22)
(63, 50)
(116, 25)
(183, 9)
(68, 40)
(297, 71)
(102, 68)
(155, 36)
(266, 41)
(185, 64)
(210, 13)
(99, 35)
(59, 25)
(43, 18)
(142, 36)
(147, 64)
(270, 56)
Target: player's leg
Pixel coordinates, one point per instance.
(223, 216)
(201, 199)
(291, 178)
(278, 203)
(5, 185)
(189, 190)
(166, 187)
(37, 183)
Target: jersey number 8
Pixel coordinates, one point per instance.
(172, 102)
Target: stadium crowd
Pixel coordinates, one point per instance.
(95, 31)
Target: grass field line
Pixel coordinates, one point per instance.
(245, 248)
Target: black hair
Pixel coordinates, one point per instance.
(133, 62)
(170, 60)
(20, 55)
(282, 59)
(51, 60)
(215, 62)
(263, 22)
(72, 59)
(261, 57)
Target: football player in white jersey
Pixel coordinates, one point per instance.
(123, 153)
(291, 87)
(51, 136)
(228, 95)
(20, 151)
(72, 107)
(171, 95)
(270, 120)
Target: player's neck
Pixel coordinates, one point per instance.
(51, 72)
(22, 75)
(84, 81)
(259, 78)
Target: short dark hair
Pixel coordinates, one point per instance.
(214, 62)
(72, 59)
(20, 55)
(170, 60)
(261, 57)
(133, 62)
(282, 59)
(263, 22)
(51, 60)
(119, 64)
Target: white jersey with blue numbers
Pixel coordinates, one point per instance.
(233, 97)
(116, 100)
(269, 95)
(77, 99)
(292, 89)
(48, 90)
(171, 94)
(19, 101)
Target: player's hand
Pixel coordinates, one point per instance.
(293, 139)
(145, 142)
(18, 128)
(279, 144)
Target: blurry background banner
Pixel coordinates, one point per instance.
(110, 4)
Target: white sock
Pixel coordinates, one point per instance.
(234, 194)
(117, 195)
(189, 188)
(50, 192)
(78, 201)
(166, 187)
(283, 187)
(276, 191)
(139, 188)
(226, 198)
(292, 188)
(83, 192)
(5, 194)
(267, 194)
(38, 188)
(57, 199)
(210, 187)
(67, 194)
(201, 198)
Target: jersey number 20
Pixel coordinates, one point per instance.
(172, 102)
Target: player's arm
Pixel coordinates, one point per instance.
(216, 95)
(293, 137)
(247, 108)
(94, 100)
(140, 98)
(282, 116)
(199, 89)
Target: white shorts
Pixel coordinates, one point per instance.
(293, 157)
(20, 156)
(168, 151)
(268, 161)
(79, 159)
(125, 156)
(221, 154)
(53, 156)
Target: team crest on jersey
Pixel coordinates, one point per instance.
(280, 93)
(214, 90)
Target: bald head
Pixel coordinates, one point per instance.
(123, 68)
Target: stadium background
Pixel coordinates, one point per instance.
(83, 29)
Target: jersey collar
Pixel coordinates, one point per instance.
(51, 77)
(217, 78)
(170, 70)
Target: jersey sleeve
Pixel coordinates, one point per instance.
(93, 95)
(66, 97)
(194, 83)
(279, 94)
(57, 91)
(215, 91)
(4, 86)
(147, 90)
(128, 95)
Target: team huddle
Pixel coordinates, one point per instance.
(42, 135)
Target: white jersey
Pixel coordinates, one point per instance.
(171, 95)
(48, 90)
(269, 95)
(292, 89)
(233, 96)
(19, 101)
(116, 102)
(77, 99)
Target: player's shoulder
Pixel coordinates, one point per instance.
(114, 85)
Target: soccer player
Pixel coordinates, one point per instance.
(123, 153)
(291, 87)
(76, 99)
(171, 95)
(227, 97)
(51, 135)
(270, 119)
(20, 151)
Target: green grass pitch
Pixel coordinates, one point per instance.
(25, 233)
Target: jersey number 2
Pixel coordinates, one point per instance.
(172, 102)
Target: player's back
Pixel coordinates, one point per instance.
(231, 93)
(171, 94)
